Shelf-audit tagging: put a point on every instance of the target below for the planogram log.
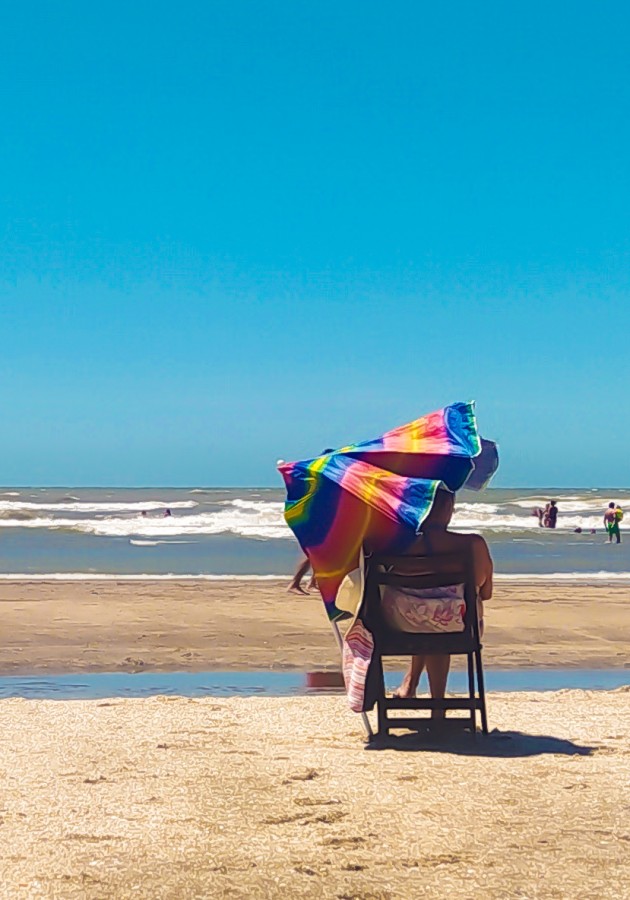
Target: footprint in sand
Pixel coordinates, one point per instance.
(330, 818)
(348, 842)
(284, 820)
(304, 776)
(305, 818)
(130, 661)
(308, 801)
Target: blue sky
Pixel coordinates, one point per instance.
(237, 231)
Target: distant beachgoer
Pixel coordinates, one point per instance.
(296, 582)
(167, 513)
(612, 518)
(143, 513)
(547, 517)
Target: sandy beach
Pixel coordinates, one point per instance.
(268, 797)
(74, 626)
(265, 797)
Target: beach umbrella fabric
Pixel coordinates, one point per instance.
(377, 493)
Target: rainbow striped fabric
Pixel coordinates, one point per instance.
(377, 493)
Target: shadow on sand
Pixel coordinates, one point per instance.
(500, 744)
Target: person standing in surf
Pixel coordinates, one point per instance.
(551, 514)
(612, 518)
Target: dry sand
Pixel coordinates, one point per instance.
(260, 798)
(200, 625)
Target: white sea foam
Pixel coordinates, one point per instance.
(255, 519)
(106, 576)
(263, 519)
(76, 505)
(476, 520)
(157, 543)
(565, 504)
(576, 577)
(493, 517)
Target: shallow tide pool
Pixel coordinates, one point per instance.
(101, 685)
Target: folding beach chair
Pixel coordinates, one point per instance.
(434, 571)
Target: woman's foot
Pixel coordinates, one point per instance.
(407, 689)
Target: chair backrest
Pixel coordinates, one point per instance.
(429, 571)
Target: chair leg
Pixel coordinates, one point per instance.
(471, 692)
(482, 692)
(380, 704)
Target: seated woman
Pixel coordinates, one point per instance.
(436, 538)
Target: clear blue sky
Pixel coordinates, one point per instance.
(234, 231)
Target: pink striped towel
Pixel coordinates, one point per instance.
(358, 646)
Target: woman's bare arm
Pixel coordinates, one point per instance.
(484, 568)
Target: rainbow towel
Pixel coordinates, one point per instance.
(377, 493)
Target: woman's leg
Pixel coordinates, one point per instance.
(409, 684)
(437, 670)
(480, 615)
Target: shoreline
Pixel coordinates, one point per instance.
(601, 577)
(197, 625)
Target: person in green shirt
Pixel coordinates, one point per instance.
(612, 518)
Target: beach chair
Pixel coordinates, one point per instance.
(435, 571)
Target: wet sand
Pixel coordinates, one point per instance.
(268, 797)
(58, 627)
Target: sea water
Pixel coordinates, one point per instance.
(101, 685)
(107, 532)
(212, 533)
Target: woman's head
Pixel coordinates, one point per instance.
(442, 509)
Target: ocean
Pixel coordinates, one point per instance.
(218, 533)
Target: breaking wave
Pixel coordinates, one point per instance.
(260, 519)
(108, 576)
(73, 504)
(259, 515)
(576, 577)
(245, 518)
